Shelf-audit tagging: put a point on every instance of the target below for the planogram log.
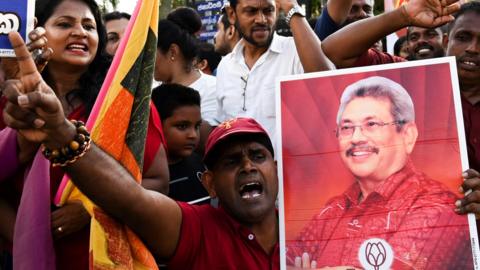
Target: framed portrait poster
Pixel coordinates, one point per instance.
(370, 165)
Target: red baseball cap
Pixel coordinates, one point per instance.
(235, 127)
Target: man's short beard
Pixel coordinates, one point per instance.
(250, 40)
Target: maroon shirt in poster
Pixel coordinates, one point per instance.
(412, 213)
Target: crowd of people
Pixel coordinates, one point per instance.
(208, 194)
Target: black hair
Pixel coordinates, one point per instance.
(115, 15)
(398, 45)
(216, 152)
(179, 28)
(224, 19)
(207, 51)
(473, 6)
(233, 4)
(187, 18)
(170, 96)
(91, 81)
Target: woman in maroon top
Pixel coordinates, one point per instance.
(73, 29)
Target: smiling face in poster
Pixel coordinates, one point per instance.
(379, 192)
(15, 15)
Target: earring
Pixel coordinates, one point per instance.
(172, 58)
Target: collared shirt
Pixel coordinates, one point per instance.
(244, 92)
(412, 213)
(211, 239)
(206, 86)
(471, 121)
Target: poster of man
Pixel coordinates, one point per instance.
(370, 166)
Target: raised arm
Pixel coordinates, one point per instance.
(345, 46)
(339, 10)
(308, 45)
(37, 113)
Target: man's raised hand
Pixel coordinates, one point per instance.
(430, 13)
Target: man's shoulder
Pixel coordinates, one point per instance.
(225, 64)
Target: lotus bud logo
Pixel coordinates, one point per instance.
(9, 22)
(375, 254)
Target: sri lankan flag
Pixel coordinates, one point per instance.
(118, 124)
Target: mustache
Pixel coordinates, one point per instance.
(366, 148)
(261, 27)
(423, 46)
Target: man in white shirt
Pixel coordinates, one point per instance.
(246, 77)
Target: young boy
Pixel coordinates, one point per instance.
(179, 109)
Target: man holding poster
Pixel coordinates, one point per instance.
(392, 216)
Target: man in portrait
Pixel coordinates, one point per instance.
(392, 215)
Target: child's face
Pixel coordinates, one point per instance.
(182, 132)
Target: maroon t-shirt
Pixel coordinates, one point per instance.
(375, 57)
(471, 120)
(211, 239)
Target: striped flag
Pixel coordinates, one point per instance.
(118, 124)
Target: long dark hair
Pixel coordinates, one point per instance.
(180, 28)
(91, 81)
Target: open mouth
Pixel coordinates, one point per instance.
(469, 63)
(361, 151)
(251, 190)
(423, 50)
(77, 47)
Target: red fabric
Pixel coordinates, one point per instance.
(232, 127)
(154, 138)
(75, 247)
(413, 213)
(374, 57)
(471, 121)
(211, 239)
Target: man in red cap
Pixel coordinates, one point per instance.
(240, 234)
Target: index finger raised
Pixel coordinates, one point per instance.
(24, 59)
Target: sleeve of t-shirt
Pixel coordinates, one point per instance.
(154, 138)
(375, 57)
(325, 25)
(190, 237)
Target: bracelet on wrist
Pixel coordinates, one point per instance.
(71, 152)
